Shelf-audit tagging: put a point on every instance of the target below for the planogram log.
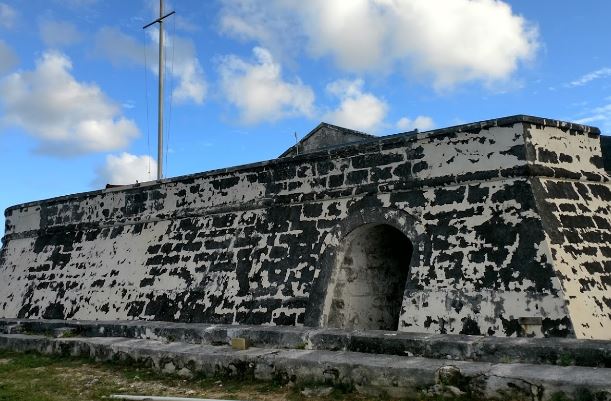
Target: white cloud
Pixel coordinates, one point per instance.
(273, 26)
(600, 116)
(121, 49)
(126, 169)
(591, 76)
(58, 33)
(67, 116)
(422, 123)
(153, 7)
(451, 40)
(8, 16)
(184, 24)
(8, 58)
(357, 109)
(187, 69)
(259, 91)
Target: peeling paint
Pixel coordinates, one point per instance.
(508, 221)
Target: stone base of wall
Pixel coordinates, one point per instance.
(543, 351)
(396, 376)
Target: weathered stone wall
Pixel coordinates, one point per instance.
(500, 245)
(576, 213)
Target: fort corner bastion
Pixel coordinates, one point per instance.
(501, 227)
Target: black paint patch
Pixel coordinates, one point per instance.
(312, 210)
(548, 156)
(403, 170)
(597, 161)
(54, 311)
(449, 196)
(375, 160)
(420, 166)
(470, 327)
(557, 327)
(477, 193)
(336, 180)
(357, 177)
(516, 150)
(381, 174)
(512, 327)
(561, 190)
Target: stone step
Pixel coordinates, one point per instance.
(552, 351)
(397, 376)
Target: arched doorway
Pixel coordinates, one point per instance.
(369, 279)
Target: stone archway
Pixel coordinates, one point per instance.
(337, 241)
(367, 289)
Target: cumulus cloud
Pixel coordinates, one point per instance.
(68, 117)
(247, 20)
(8, 16)
(58, 33)
(451, 40)
(184, 24)
(126, 169)
(118, 48)
(187, 69)
(357, 110)
(421, 123)
(600, 116)
(123, 50)
(8, 58)
(259, 91)
(591, 76)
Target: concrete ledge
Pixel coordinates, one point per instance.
(551, 351)
(373, 374)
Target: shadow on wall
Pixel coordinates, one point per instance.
(605, 144)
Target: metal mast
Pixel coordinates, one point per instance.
(160, 95)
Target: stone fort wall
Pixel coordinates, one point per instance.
(496, 228)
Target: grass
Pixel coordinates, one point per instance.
(35, 377)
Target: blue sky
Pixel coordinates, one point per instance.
(242, 76)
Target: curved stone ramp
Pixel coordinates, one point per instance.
(397, 376)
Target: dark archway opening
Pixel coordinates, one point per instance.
(369, 279)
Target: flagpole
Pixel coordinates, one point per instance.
(160, 94)
(160, 98)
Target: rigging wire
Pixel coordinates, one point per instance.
(146, 90)
(171, 79)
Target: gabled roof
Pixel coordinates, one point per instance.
(324, 136)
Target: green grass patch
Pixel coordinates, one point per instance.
(36, 377)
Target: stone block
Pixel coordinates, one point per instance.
(239, 343)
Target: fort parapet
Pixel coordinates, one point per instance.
(501, 228)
